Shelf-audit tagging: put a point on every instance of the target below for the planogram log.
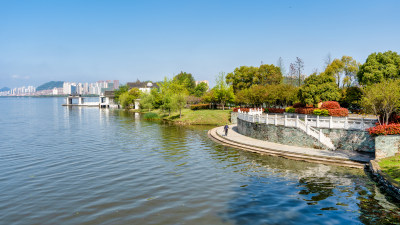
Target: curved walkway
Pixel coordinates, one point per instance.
(236, 140)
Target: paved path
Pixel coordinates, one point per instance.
(343, 158)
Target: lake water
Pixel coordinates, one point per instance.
(62, 165)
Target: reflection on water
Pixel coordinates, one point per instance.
(77, 165)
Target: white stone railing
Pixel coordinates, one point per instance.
(316, 122)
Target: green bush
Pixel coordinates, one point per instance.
(321, 112)
(317, 112)
(151, 116)
(324, 112)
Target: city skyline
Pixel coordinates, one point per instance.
(92, 40)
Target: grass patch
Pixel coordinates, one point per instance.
(151, 116)
(200, 117)
(391, 166)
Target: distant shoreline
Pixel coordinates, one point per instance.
(46, 96)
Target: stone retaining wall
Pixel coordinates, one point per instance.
(387, 183)
(354, 140)
(386, 146)
(278, 134)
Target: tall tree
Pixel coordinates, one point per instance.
(344, 70)
(281, 66)
(299, 65)
(379, 67)
(223, 91)
(187, 80)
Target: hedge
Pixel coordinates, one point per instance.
(304, 110)
(276, 110)
(199, 106)
(385, 129)
(341, 112)
(330, 105)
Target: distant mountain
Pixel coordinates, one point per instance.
(5, 89)
(50, 85)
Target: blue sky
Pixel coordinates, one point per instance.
(86, 41)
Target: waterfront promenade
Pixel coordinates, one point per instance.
(337, 157)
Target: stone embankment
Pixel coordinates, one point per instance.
(341, 158)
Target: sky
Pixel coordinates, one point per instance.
(91, 40)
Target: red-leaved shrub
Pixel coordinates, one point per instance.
(341, 112)
(385, 129)
(330, 105)
(304, 110)
(276, 110)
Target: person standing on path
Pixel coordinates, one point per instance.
(226, 127)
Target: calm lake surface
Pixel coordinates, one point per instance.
(61, 165)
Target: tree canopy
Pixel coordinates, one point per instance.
(379, 67)
(316, 88)
(222, 91)
(185, 79)
(246, 76)
(382, 99)
(344, 70)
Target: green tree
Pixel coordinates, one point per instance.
(172, 93)
(200, 89)
(119, 91)
(318, 88)
(147, 101)
(351, 97)
(127, 99)
(344, 71)
(209, 97)
(187, 80)
(247, 76)
(379, 67)
(382, 99)
(223, 91)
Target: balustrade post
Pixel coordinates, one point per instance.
(308, 129)
(297, 121)
(320, 135)
(317, 121)
(285, 122)
(362, 123)
(276, 120)
(305, 119)
(346, 123)
(266, 120)
(330, 122)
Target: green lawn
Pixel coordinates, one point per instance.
(391, 166)
(200, 117)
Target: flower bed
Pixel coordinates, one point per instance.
(385, 129)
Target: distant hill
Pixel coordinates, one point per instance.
(50, 85)
(5, 89)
